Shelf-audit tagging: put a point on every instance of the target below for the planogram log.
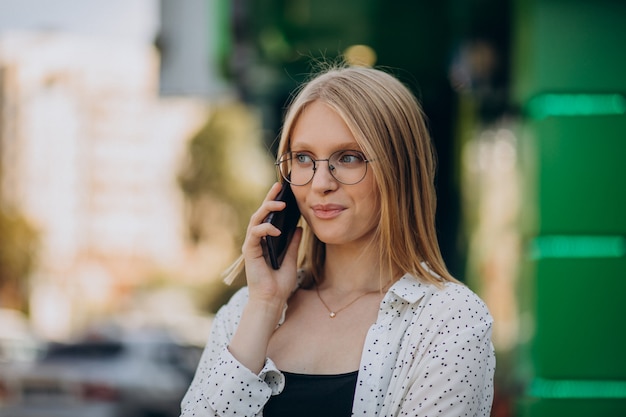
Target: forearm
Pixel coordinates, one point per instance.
(250, 341)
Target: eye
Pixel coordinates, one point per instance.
(303, 158)
(350, 158)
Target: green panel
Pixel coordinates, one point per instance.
(546, 105)
(580, 319)
(573, 408)
(577, 388)
(568, 75)
(580, 176)
(573, 246)
(569, 45)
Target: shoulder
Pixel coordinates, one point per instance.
(448, 301)
(458, 300)
(453, 293)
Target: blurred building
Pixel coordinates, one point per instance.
(89, 154)
(190, 42)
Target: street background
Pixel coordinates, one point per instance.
(137, 137)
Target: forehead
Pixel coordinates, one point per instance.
(320, 127)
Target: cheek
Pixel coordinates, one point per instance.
(372, 194)
(373, 206)
(370, 205)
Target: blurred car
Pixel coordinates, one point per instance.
(18, 342)
(131, 376)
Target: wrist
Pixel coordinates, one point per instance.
(265, 311)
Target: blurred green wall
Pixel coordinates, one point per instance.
(569, 76)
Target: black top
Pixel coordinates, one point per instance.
(314, 396)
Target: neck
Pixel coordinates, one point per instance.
(349, 270)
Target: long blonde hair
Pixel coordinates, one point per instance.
(389, 125)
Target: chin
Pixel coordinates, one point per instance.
(330, 236)
(331, 239)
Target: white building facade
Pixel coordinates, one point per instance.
(90, 154)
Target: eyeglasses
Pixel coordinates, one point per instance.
(346, 166)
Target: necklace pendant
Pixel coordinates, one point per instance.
(332, 314)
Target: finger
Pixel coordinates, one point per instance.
(252, 242)
(269, 205)
(273, 191)
(258, 228)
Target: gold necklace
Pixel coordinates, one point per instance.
(333, 313)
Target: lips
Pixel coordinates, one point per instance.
(327, 211)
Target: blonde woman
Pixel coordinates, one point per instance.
(362, 318)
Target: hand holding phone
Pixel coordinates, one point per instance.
(286, 220)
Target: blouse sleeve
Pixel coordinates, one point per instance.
(222, 386)
(454, 376)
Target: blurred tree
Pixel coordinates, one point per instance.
(226, 174)
(18, 249)
(222, 178)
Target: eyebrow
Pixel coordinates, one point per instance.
(346, 146)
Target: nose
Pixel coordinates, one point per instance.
(323, 180)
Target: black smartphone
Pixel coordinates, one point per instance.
(286, 220)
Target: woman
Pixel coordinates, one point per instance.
(375, 324)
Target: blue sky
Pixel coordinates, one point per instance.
(130, 19)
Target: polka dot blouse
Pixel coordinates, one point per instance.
(429, 353)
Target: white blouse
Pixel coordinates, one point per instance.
(429, 353)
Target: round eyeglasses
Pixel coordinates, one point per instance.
(346, 166)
